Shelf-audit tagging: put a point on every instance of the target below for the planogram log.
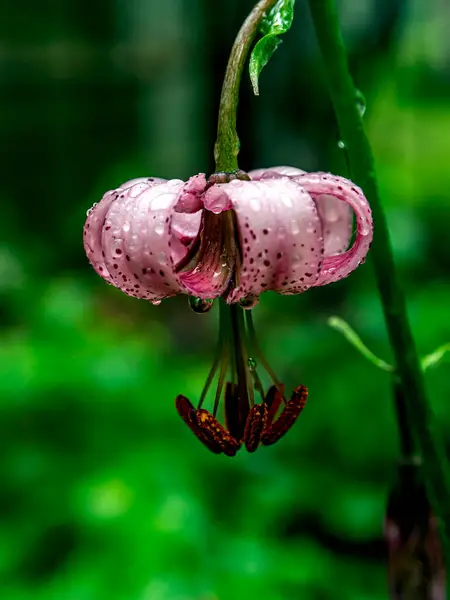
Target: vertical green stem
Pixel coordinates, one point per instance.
(227, 144)
(420, 418)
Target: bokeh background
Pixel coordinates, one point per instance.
(104, 493)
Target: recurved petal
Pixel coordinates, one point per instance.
(336, 216)
(337, 222)
(92, 234)
(136, 240)
(339, 266)
(274, 172)
(281, 236)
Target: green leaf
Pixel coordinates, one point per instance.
(433, 359)
(276, 22)
(350, 334)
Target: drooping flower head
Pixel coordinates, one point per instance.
(232, 236)
(282, 229)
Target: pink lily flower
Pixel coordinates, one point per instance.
(279, 229)
(232, 236)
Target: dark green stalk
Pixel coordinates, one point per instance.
(227, 144)
(420, 418)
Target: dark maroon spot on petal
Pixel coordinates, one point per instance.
(252, 261)
(267, 263)
(308, 274)
(264, 285)
(116, 266)
(118, 251)
(279, 255)
(127, 257)
(161, 272)
(259, 254)
(108, 227)
(136, 276)
(265, 231)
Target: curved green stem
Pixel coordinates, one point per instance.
(226, 148)
(420, 418)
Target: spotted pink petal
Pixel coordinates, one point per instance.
(339, 266)
(336, 216)
(137, 241)
(281, 236)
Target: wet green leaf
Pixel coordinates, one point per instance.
(277, 22)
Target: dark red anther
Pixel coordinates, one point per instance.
(236, 412)
(189, 415)
(255, 426)
(287, 418)
(273, 399)
(215, 433)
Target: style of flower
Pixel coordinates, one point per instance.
(233, 236)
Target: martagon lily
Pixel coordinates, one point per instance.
(231, 236)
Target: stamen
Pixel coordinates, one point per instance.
(287, 418)
(255, 426)
(222, 348)
(257, 350)
(273, 399)
(245, 389)
(222, 376)
(215, 433)
(189, 415)
(256, 380)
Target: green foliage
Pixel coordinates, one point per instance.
(277, 21)
(104, 493)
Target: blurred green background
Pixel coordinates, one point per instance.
(104, 493)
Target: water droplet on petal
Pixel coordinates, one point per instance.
(155, 302)
(249, 302)
(294, 227)
(255, 204)
(159, 228)
(200, 305)
(286, 200)
(89, 210)
(126, 226)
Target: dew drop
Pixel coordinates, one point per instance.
(342, 145)
(252, 364)
(286, 200)
(200, 305)
(249, 302)
(89, 210)
(126, 226)
(159, 228)
(255, 204)
(294, 227)
(155, 302)
(360, 103)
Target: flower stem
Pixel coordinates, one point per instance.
(419, 415)
(226, 148)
